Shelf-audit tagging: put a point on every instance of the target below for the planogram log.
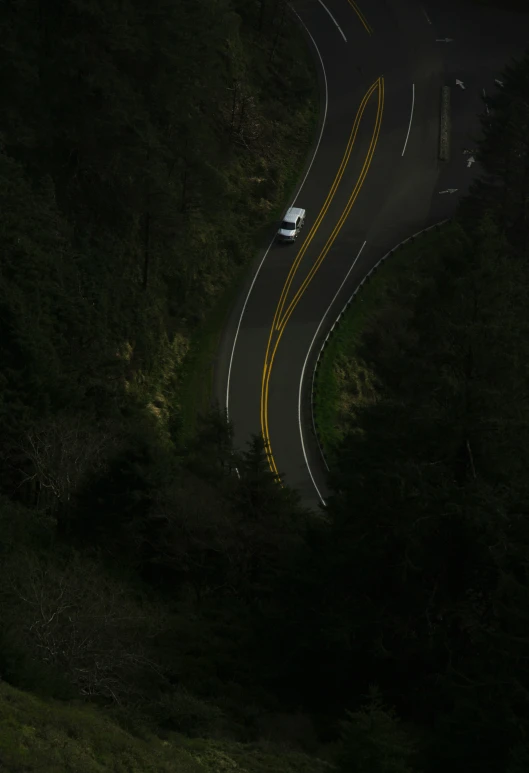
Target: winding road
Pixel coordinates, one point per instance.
(373, 178)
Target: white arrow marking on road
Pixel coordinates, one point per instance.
(444, 40)
(498, 83)
(334, 20)
(449, 190)
(471, 161)
(460, 83)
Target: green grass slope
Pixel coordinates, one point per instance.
(54, 737)
(343, 383)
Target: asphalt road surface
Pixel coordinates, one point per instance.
(372, 179)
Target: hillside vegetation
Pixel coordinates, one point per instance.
(422, 397)
(157, 610)
(143, 149)
(50, 736)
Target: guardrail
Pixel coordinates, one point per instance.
(435, 226)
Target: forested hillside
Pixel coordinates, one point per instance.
(54, 736)
(424, 575)
(143, 147)
(157, 611)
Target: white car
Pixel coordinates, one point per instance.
(291, 225)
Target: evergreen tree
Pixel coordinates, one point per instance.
(373, 741)
(271, 522)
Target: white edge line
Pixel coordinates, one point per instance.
(377, 264)
(427, 17)
(295, 197)
(305, 366)
(411, 116)
(334, 20)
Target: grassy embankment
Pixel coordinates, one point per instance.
(342, 380)
(48, 736)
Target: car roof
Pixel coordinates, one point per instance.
(294, 212)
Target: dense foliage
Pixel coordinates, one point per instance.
(50, 736)
(423, 577)
(141, 148)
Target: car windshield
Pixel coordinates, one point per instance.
(286, 226)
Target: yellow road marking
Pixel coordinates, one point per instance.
(325, 207)
(310, 235)
(281, 327)
(361, 16)
(345, 213)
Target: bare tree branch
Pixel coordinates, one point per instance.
(82, 624)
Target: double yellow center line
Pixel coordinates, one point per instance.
(280, 319)
(361, 16)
